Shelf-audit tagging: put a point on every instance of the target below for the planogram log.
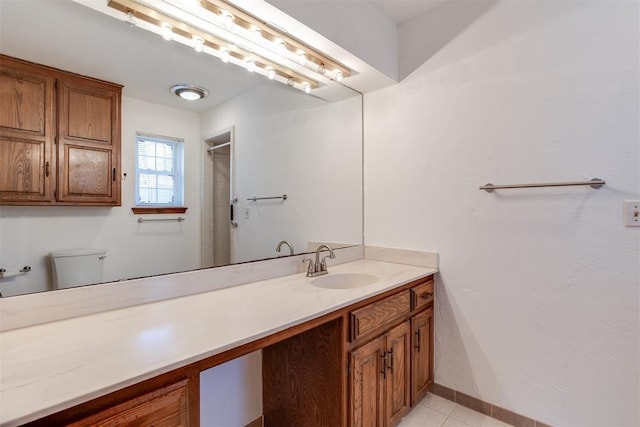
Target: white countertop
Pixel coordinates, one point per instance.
(50, 367)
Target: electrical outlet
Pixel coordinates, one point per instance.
(632, 213)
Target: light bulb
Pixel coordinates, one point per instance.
(321, 68)
(198, 44)
(256, 32)
(130, 19)
(250, 65)
(307, 88)
(271, 73)
(166, 31)
(302, 58)
(339, 75)
(281, 45)
(225, 55)
(227, 20)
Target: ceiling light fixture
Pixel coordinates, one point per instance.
(189, 92)
(250, 65)
(233, 35)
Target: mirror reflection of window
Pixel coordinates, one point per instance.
(159, 171)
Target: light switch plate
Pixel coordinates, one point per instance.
(632, 213)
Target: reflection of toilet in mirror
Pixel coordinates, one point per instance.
(77, 267)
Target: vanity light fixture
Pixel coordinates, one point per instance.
(223, 30)
(189, 92)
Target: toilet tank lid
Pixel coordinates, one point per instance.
(77, 252)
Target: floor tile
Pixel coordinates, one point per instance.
(473, 418)
(452, 422)
(437, 403)
(421, 416)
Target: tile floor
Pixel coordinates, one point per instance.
(435, 411)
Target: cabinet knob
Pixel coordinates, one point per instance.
(426, 295)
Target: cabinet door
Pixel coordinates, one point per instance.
(422, 357)
(165, 407)
(367, 384)
(27, 112)
(398, 345)
(89, 142)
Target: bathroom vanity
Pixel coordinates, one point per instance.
(331, 357)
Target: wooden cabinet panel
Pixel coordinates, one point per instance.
(422, 354)
(89, 116)
(302, 378)
(165, 407)
(88, 142)
(376, 315)
(87, 172)
(26, 133)
(367, 382)
(398, 347)
(23, 101)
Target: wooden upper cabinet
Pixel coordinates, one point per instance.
(27, 114)
(88, 142)
(59, 137)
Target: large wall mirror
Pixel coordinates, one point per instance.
(276, 141)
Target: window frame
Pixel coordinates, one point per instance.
(178, 174)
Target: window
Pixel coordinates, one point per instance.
(159, 165)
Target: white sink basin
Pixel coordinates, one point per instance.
(344, 280)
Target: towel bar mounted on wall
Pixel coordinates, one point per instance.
(5, 275)
(254, 198)
(179, 219)
(594, 183)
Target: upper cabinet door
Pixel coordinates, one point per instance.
(88, 142)
(27, 114)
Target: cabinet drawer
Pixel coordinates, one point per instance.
(422, 294)
(166, 406)
(377, 314)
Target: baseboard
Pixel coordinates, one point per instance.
(486, 408)
(256, 423)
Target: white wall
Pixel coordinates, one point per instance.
(287, 142)
(538, 297)
(28, 234)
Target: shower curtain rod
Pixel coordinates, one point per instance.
(215, 147)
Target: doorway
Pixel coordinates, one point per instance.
(218, 206)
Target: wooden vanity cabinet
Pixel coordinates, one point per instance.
(380, 379)
(59, 137)
(364, 365)
(391, 357)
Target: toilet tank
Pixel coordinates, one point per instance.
(77, 267)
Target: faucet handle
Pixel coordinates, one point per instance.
(310, 267)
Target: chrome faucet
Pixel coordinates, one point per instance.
(319, 268)
(282, 243)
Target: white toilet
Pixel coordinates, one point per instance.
(77, 267)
